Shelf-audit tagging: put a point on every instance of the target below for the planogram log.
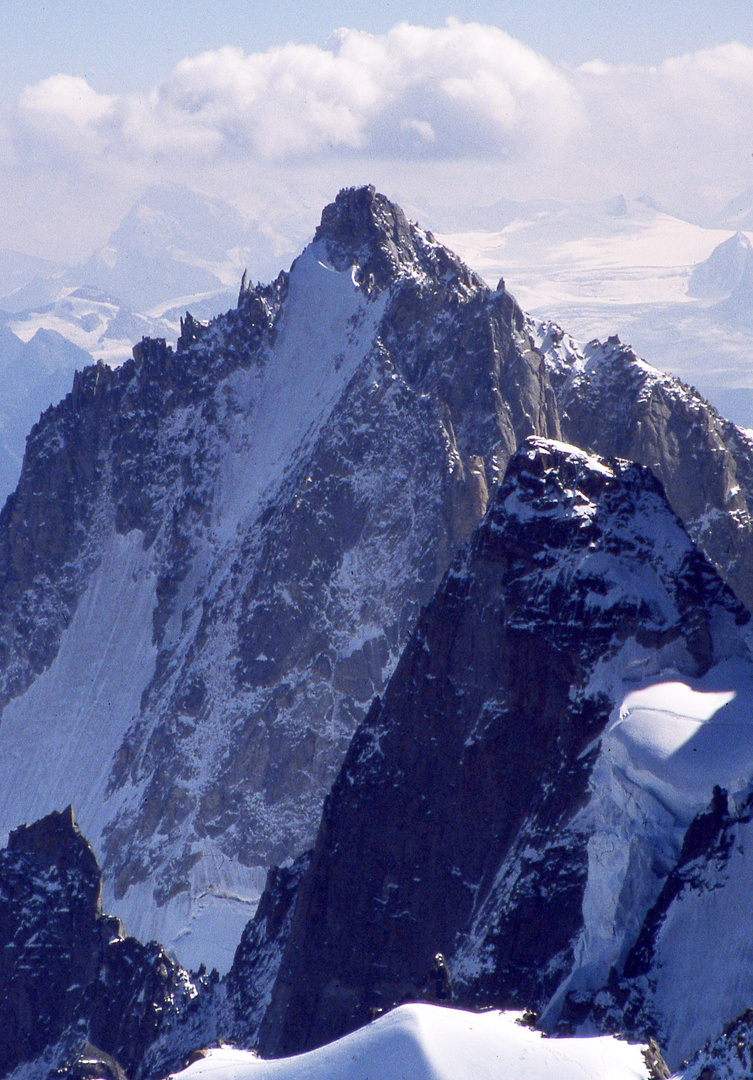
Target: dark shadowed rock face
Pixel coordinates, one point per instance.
(453, 824)
(67, 973)
(250, 980)
(50, 933)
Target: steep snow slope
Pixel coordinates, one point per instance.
(63, 734)
(668, 745)
(702, 955)
(426, 1042)
(277, 415)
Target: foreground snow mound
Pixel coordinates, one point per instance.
(425, 1042)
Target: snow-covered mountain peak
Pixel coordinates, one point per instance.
(271, 501)
(176, 243)
(727, 265)
(601, 531)
(210, 571)
(362, 227)
(568, 358)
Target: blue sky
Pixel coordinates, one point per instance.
(469, 104)
(122, 46)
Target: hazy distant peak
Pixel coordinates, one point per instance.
(723, 271)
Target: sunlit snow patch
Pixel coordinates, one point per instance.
(425, 1042)
(201, 924)
(58, 741)
(677, 739)
(669, 742)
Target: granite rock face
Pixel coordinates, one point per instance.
(617, 405)
(67, 972)
(467, 813)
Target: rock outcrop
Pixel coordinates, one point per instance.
(497, 804)
(615, 404)
(67, 972)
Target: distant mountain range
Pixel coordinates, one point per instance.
(174, 249)
(625, 266)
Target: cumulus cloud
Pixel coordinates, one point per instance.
(461, 113)
(456, 91)
(59, 114)
(680, 124)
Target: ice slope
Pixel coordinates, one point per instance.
(702, 973)
(426, 1042)
(675, 750)
(677, 739)
(670, 740)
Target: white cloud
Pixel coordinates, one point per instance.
(684, 123)
(458, 113)
(68, 98)
(59, 115)
(462, 89)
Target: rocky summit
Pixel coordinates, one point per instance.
(537, 773)
(71, 983)
(216, 553)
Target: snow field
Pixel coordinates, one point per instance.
(201, 924)
(426, 1042)
(59, 739)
